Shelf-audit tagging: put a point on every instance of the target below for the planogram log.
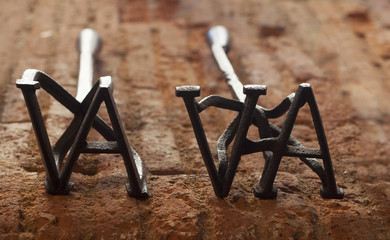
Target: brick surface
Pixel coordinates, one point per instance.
(149, 47)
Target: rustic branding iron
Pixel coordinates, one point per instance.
(274, 142)
(84, 107)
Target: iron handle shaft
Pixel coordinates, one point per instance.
(89, 44)
(219, 42)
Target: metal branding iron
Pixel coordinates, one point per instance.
(84, 107)
(274, 142)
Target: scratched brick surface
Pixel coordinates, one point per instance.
(342, 48)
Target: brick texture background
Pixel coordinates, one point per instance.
(342, 48)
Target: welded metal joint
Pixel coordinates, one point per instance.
(274, 142)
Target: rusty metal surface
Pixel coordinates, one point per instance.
(84, 107)
(274, 142)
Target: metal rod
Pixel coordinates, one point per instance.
(253, 92)
(89, 44)
(219, 41)
(188, 94)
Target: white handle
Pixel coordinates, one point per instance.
(89, 45)
(219, 36)
(219, 41)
